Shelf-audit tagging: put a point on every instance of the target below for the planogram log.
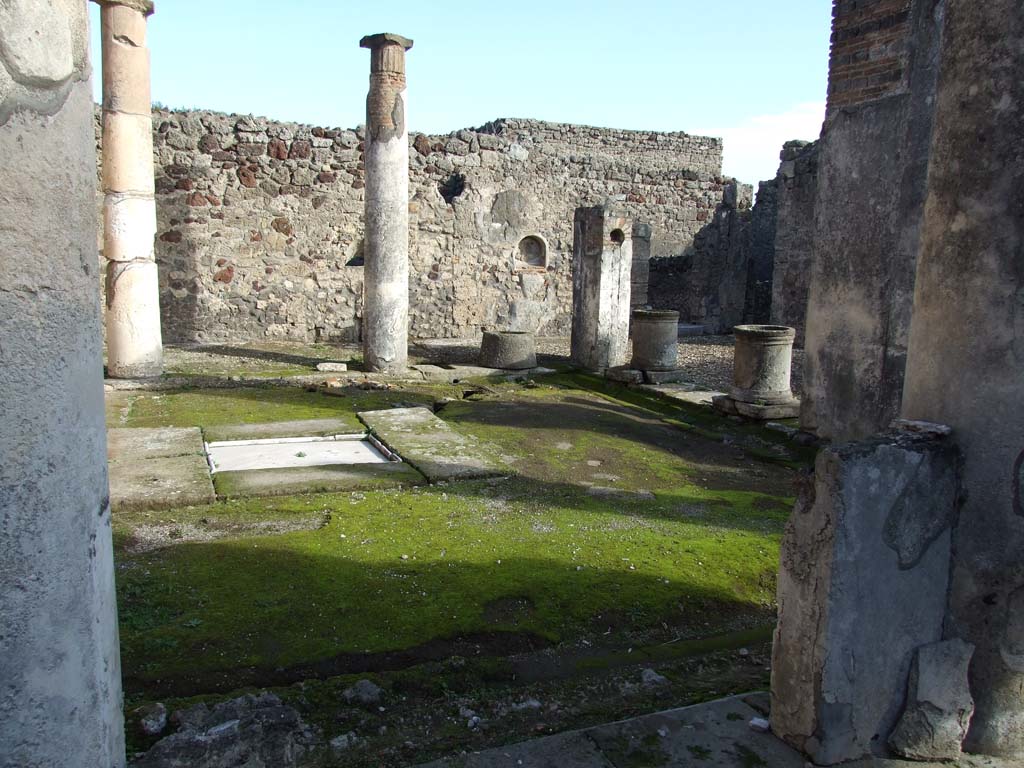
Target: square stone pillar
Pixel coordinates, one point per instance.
(602, 262)
(641, 271)
(862, 585)
(965, 364)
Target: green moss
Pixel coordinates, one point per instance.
(536, 555)
(331, 478)
(626, 752)
(699, 752)
(701, 420)
(346, 588)
(749, 758)
(253, 405)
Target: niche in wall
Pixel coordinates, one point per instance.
(533, 252)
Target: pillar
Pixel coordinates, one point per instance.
(602, 260)
(386, 157)
(965, 364)
(863, 571)
(640, 276)
(60, 677)
(134, 347)
(872, 169)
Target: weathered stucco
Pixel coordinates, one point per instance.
(131, 287)
(60, 689)
(873, 160)
(862, 584)
(386, 232)
(965, 365)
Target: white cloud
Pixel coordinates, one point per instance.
(752, 146)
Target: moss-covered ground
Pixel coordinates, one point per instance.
(634, 529)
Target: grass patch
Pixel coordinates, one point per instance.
(393, 570)
(537, 558)
(255, 405)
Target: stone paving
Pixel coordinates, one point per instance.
(727, 733)
(157, 468)
(433, 447)
(717, 735)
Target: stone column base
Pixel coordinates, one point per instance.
(731, 407)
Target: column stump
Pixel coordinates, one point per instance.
(761, 374)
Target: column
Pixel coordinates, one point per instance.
(386, 158)
(60, 676)
(602, 260)
(965, 364)
(134, 347)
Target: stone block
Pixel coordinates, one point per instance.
(677, 376)
(328, 478)
(625, 375)
(863, 582)
(278, 429)
(330, 367)
(432, 446)
(939, 704)
(790, 410)
(160, 483)
(158, 443)
(724, 404)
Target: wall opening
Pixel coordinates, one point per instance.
(358, 259)
(618, 236)
(452, 187)
(533, 251)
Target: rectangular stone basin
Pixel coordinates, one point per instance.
(277, 453)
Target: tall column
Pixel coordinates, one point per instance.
(602, 259)
(60, 676)
(134, 346)
(965, 364)
(386, 157)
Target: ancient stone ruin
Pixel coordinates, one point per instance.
(399, 447)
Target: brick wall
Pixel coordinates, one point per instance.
(869, 52)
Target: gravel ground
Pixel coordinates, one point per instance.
(706, 359)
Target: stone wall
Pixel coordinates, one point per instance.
(260, 222)
(872, 173)
(967, 346)
(763, 226)
(725, 279)
(797, 187)
(707, 282)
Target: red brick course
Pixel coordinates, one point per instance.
(868, 58)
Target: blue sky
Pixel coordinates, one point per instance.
(751, 71)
